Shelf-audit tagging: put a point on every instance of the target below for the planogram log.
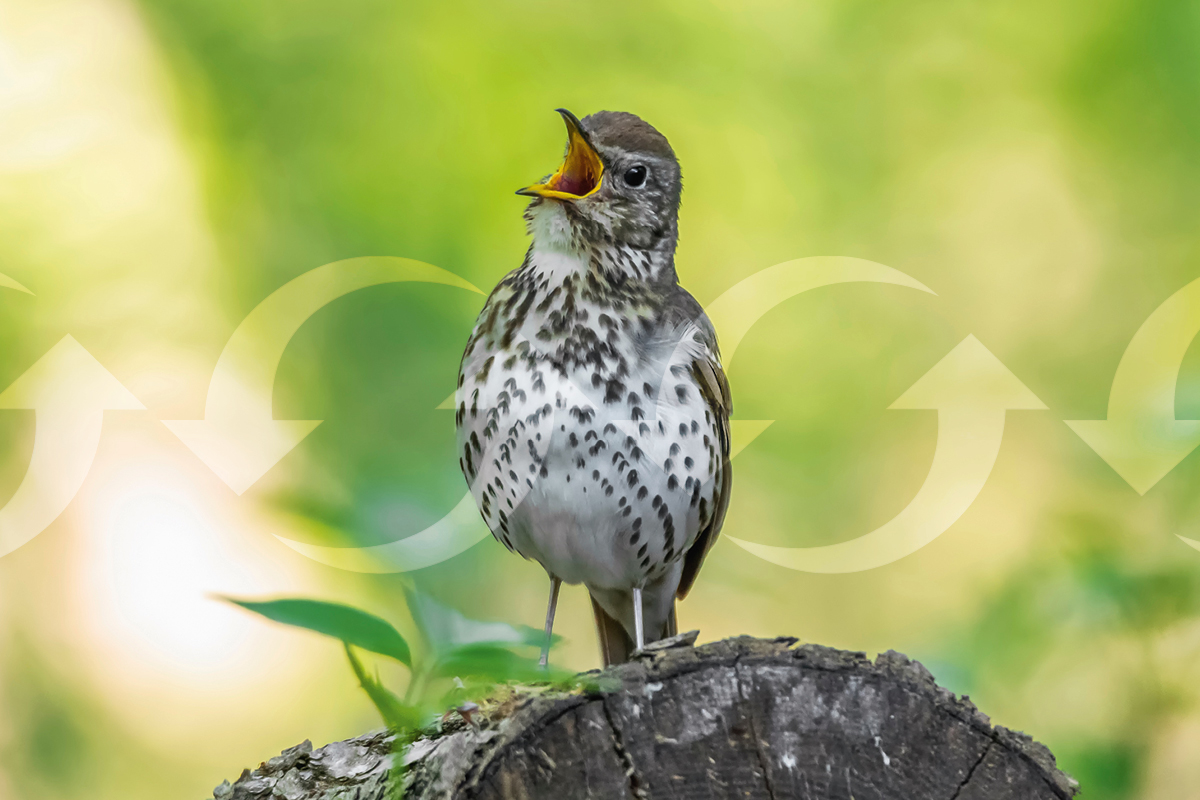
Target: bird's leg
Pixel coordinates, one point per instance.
(639, 633)
(555, 584)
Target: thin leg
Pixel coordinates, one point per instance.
(555, 585)
(639, 633)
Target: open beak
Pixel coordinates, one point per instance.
(580, 173)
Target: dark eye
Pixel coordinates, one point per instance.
(635, 176)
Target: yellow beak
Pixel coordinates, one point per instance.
(580, 173)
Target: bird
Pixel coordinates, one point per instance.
(592, 410)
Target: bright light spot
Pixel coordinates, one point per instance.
(164, 560)
(159, 540)
(157, 554)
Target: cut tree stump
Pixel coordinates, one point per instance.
(741, 718)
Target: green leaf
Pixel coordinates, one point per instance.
(332, 619)
(397, 715)
(493, 663)
(446, 628)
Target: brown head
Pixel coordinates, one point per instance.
(619, 184)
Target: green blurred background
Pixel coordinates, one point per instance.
(164, 166)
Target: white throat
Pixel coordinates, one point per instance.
(558, 252)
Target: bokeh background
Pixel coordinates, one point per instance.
(167, 164)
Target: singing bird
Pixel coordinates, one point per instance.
(592, 410)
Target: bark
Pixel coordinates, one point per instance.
(744, 718)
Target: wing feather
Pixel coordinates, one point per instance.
(714, 388)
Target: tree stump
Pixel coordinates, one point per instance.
(741, 718)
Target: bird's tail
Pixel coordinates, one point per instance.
(615, 644)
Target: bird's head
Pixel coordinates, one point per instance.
(619, 184)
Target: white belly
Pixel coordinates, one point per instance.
(605, 494)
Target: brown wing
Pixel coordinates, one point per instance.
(714, 388)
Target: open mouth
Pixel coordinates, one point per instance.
(581, 171)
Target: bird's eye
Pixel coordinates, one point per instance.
(635, 176)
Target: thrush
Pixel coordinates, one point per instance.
(592, 411)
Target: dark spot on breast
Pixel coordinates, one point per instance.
(482, 375)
